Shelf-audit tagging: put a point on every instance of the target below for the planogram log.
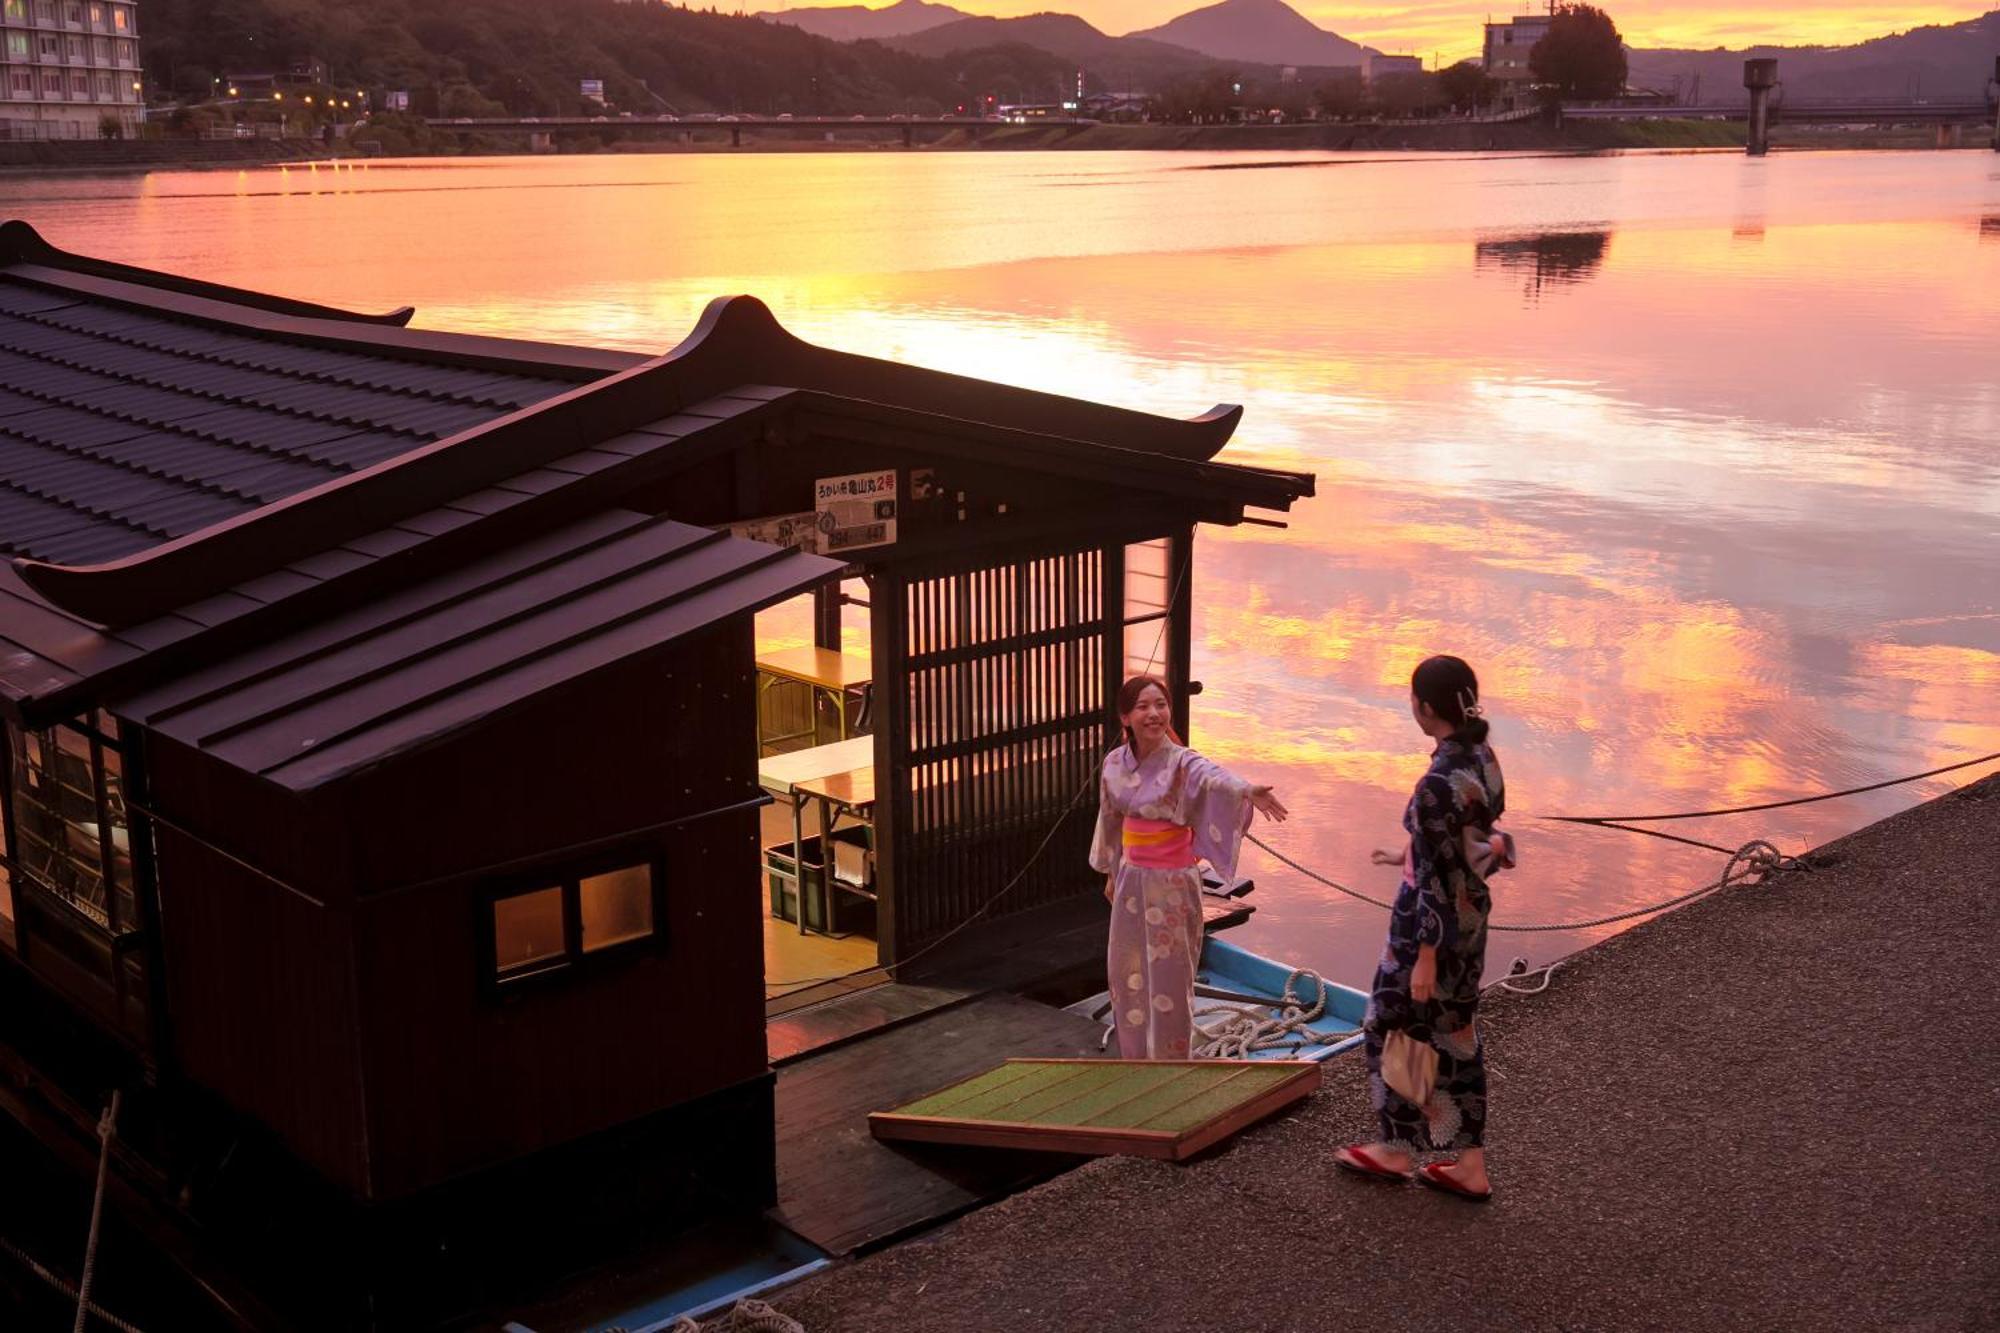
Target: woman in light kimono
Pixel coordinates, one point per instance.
(1162, 807)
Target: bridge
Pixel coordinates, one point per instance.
(1849, 112)
(543, 129)
(1767, 105)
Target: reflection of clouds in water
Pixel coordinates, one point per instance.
(1710, 521)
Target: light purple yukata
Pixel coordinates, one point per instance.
(1155, 945)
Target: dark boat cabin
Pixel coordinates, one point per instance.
(396, 792)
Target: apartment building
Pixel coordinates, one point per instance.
(1506, 54)
(68, 67)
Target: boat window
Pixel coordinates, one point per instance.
(570, 919)
(617, 907)
(7, 935)
(1147, 598)
(70, 837)
(528, 931)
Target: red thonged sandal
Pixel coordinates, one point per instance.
(1355, 1157)
(1433, 1175)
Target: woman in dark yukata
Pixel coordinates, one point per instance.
(1162, 807)
(1427, 983)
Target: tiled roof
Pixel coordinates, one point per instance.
(291, 535)
(123, 428)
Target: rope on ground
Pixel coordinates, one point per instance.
(1248, 1029)
(746, 1316)
(1518, 971)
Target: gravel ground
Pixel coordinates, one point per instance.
(1768, 1110)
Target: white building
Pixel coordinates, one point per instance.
(1506, 56)
(67, 66)
(1375, 65)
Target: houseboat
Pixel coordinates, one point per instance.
(400, 812)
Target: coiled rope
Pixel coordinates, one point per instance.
(1248, 1029)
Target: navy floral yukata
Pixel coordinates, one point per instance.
(1444, 903)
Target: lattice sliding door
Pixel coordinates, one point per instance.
(1002, 727)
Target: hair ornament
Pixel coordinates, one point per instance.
(1468, 704)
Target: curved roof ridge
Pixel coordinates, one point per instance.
(20, 243)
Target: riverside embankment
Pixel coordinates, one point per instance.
(1767, 1110)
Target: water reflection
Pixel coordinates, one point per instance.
(1716, 526)
(1554, 258)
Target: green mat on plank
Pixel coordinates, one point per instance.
(1103, 1094)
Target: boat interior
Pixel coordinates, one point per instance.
(815, 759)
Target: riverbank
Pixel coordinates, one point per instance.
(90, 155)
(42, 155)
(1762, 1111)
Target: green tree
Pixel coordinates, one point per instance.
(1342, 96)
(1465, 86)
(1405, 93)
(1581, 57)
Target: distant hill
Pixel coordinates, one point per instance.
(529, 57)
(1947, 61)
(852, 23)
(1267, 32)
(1124, 60)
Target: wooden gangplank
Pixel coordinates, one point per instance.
(843, 1189)
(1168, 1109)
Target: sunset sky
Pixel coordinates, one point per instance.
(1453, 29)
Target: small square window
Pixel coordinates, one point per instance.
(617, 906)
(554, 927)
(528, 932)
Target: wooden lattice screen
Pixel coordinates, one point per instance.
(1001, 728)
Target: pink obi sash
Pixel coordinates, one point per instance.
(1155, 844)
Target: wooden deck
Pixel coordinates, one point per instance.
(843, 1190)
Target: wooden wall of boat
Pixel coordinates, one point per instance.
(259, 969)
(486, 1077)
(354, 1012)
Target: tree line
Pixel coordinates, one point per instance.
(530, 58)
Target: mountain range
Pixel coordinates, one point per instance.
(1943, 60)
(854, 23)
(1263, 32)
(1257, 32)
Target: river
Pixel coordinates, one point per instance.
(1695, 457)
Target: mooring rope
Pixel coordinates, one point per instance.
(1769, 805)
(107, 1128)
(1760, 858)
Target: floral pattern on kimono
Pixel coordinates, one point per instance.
(1155, 943)
(1443, 902)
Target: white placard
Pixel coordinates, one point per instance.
(799, 532)
(856, 511)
